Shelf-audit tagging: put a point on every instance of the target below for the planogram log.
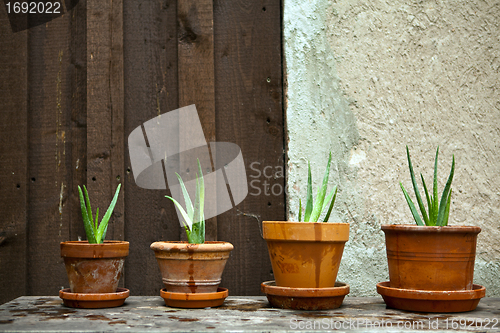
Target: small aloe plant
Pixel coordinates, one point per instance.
(438, 212)
(314, 210)
(193, 215)
(96, 232)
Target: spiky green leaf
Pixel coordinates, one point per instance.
(103, 226)
(187, 199)
(429, 202)
(444, 198)
(201, 192)
(415, 188)
(413, 210)
(332, 201)
(447, 211)
(96, 222)
(309, 198)
(300, 210)
(435, 203)
(187, 221)
(320, 196)
(87, 223)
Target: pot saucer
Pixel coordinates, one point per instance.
(430, 300)
(94, 301)
(305, 298)
(194, 300)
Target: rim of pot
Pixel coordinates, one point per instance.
(82, 249)
(305, 231)
(183, 246)
(431, 229)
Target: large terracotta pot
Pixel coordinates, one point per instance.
(191, 268)
(94, 268)
(431, 258)
(305, 254)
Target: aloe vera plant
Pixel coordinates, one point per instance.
(438, 212)
(193, 215)
(313, 210)
(96, 232)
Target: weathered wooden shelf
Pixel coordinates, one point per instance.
(242, 314)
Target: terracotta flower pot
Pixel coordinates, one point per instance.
(94, 268)
(305, 254)
(191, 268)
(431, 258)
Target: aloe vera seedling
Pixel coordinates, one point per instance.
(314, 209)
(193, 215)
(438, 212)
(96, 232)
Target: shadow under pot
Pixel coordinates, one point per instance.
(431, 258)
(94, 268)
(305, 254)
(191, 268)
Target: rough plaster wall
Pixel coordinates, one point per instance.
(366, 78)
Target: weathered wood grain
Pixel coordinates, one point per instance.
(14, 159)
(77, 134)
(105, 113)
(78, 85)
(150, 78)
(50, 169)
(196, 73)
(248, 87)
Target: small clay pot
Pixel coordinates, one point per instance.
(94, 268)
(305, 254)
(191, 268)
(431, 258)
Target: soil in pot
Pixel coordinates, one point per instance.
(191, 268)
(305, 254)
(431, 258)
(94, 268)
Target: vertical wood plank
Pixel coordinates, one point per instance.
(14, 153)
(50, 168)
(196, 71)
(248, 82)
(77, 135)
(105, 117)
(150, 78)
(118, 136)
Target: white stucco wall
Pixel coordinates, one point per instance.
(366, 78)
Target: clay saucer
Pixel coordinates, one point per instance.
(194, 300)
(94, 301)
(430, 300)
(305, 298)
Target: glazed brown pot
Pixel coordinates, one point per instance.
(431, 258)
(305, 254)
(191, 268)
(94, 268)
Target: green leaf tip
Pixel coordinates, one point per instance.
(193, 217)
(314, 209)
(95, 231)
(437, 213)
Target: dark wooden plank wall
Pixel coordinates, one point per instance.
(73, 89)
(14, 160)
